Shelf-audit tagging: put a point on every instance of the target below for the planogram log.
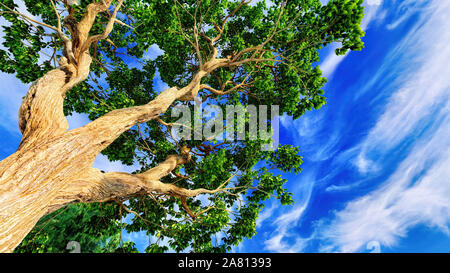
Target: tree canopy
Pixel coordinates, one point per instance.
(268, 54)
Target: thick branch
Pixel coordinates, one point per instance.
(96, 186)
(114, 123)
(106, 32)
(85, 25)
(41, 112)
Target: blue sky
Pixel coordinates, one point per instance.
(376, 156)
(376, 166)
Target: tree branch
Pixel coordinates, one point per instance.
(96, 186)
(106, 32)
(28, 18)
(67, 42)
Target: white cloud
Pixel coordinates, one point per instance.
(417, 112)
(400, 20)
(140, 236)
(308, 133)
(153, 52)
(77, 120)
(266, 214)
(102, 163)
(417, 192)
(285, 120)
(285, 225)
(374, 2)
(371, 13)
(401, 202)
(425, 49)
(365, 165)
(331, 62)
(286, 222)
(11, 94)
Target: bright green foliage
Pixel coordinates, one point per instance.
(126, 78)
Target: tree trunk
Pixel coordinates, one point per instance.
(52, 166)
(42, 175)
(30, 180)
(48, 156)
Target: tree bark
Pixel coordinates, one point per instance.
(31, 178)
(47, 157)
(52, 166)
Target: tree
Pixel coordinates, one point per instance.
(90, 57)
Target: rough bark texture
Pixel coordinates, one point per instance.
(52, 166)
(47, 157)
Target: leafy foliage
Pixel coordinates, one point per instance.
(274, 50)
(96, 227)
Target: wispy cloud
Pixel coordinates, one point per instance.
(417, 191)
(421, 91)
(412, 119)
(286, 222)
(11, 94)
(102, 163)
(332, 61)
(266, 214)
(77, 120)
(371, 12)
